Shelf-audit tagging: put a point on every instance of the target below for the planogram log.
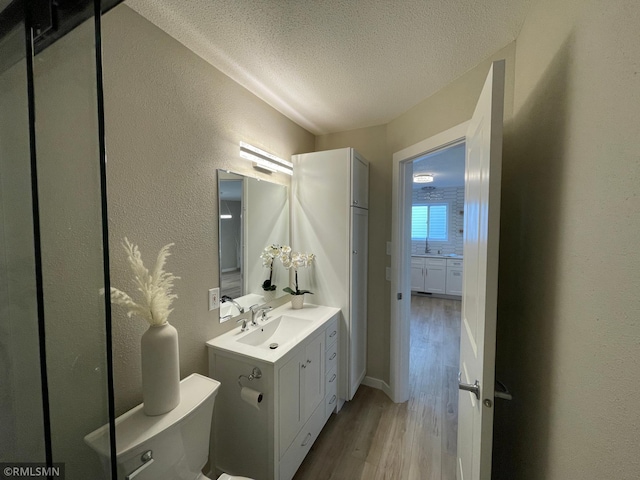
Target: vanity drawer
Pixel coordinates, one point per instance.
(331, 380)
(454, 263)
(331, 357)
(332, 333)
(301, 445)
(331, 398)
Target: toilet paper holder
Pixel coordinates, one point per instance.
(255, 373)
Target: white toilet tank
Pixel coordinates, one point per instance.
(178, 440)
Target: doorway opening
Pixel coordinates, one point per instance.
(436, 204)
(404, 247)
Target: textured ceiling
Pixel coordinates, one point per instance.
(338, 65)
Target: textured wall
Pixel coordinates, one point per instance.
(569, 324)
(172, 120)
(451, 106)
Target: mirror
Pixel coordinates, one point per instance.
(253, 214)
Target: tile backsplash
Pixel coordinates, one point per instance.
(454, 198)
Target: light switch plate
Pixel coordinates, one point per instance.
(214, 298)
(388, 248)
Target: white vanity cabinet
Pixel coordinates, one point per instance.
(304, 412)
(269, 440)
(303, 389)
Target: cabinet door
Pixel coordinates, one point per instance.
(357, 335)
(417, 274)
(454, 281)
(313, 375)
(359, 182)
(435, 279)
(290, 406)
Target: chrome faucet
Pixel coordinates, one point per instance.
(256, 309)
(244, 324)
(227, 298)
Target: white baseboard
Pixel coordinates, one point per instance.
(377, 383)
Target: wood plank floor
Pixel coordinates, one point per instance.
(373, 438)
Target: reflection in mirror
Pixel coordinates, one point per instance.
(254, 214)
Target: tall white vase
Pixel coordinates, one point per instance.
(160, 369)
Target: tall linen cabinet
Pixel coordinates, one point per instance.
(330, 218)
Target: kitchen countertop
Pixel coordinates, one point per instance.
(435, 255)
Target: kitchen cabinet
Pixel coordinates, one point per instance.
(436, 275)
(454, 276)
(428, 274)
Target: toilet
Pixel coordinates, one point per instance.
(172, 446)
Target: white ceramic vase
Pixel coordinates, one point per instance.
(269, 295)
(297, 301)
(160, 369)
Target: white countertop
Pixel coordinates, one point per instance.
(317, 315)
(436, 255)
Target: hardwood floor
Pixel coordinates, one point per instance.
(230, 284)
(373, 438)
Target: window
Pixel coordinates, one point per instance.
(429, 222)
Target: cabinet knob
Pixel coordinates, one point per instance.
(334, 355)
(355, 202)
(355, 252)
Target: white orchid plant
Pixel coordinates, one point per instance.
(268, 255)
(296, 260)
(156, 287)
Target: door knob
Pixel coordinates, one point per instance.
(475, 388)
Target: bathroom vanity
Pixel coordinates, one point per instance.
(298, 381)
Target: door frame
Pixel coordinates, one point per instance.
(400, 253)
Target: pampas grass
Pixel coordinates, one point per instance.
(156, 287)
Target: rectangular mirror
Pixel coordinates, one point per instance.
(253, 214)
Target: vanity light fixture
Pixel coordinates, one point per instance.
(265, 161)
(423, 178)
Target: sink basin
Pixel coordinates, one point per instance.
(285, 326)
(276, 332)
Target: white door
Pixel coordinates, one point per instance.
(480, 280)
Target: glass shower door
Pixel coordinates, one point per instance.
(21, 401)
(55, 370)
